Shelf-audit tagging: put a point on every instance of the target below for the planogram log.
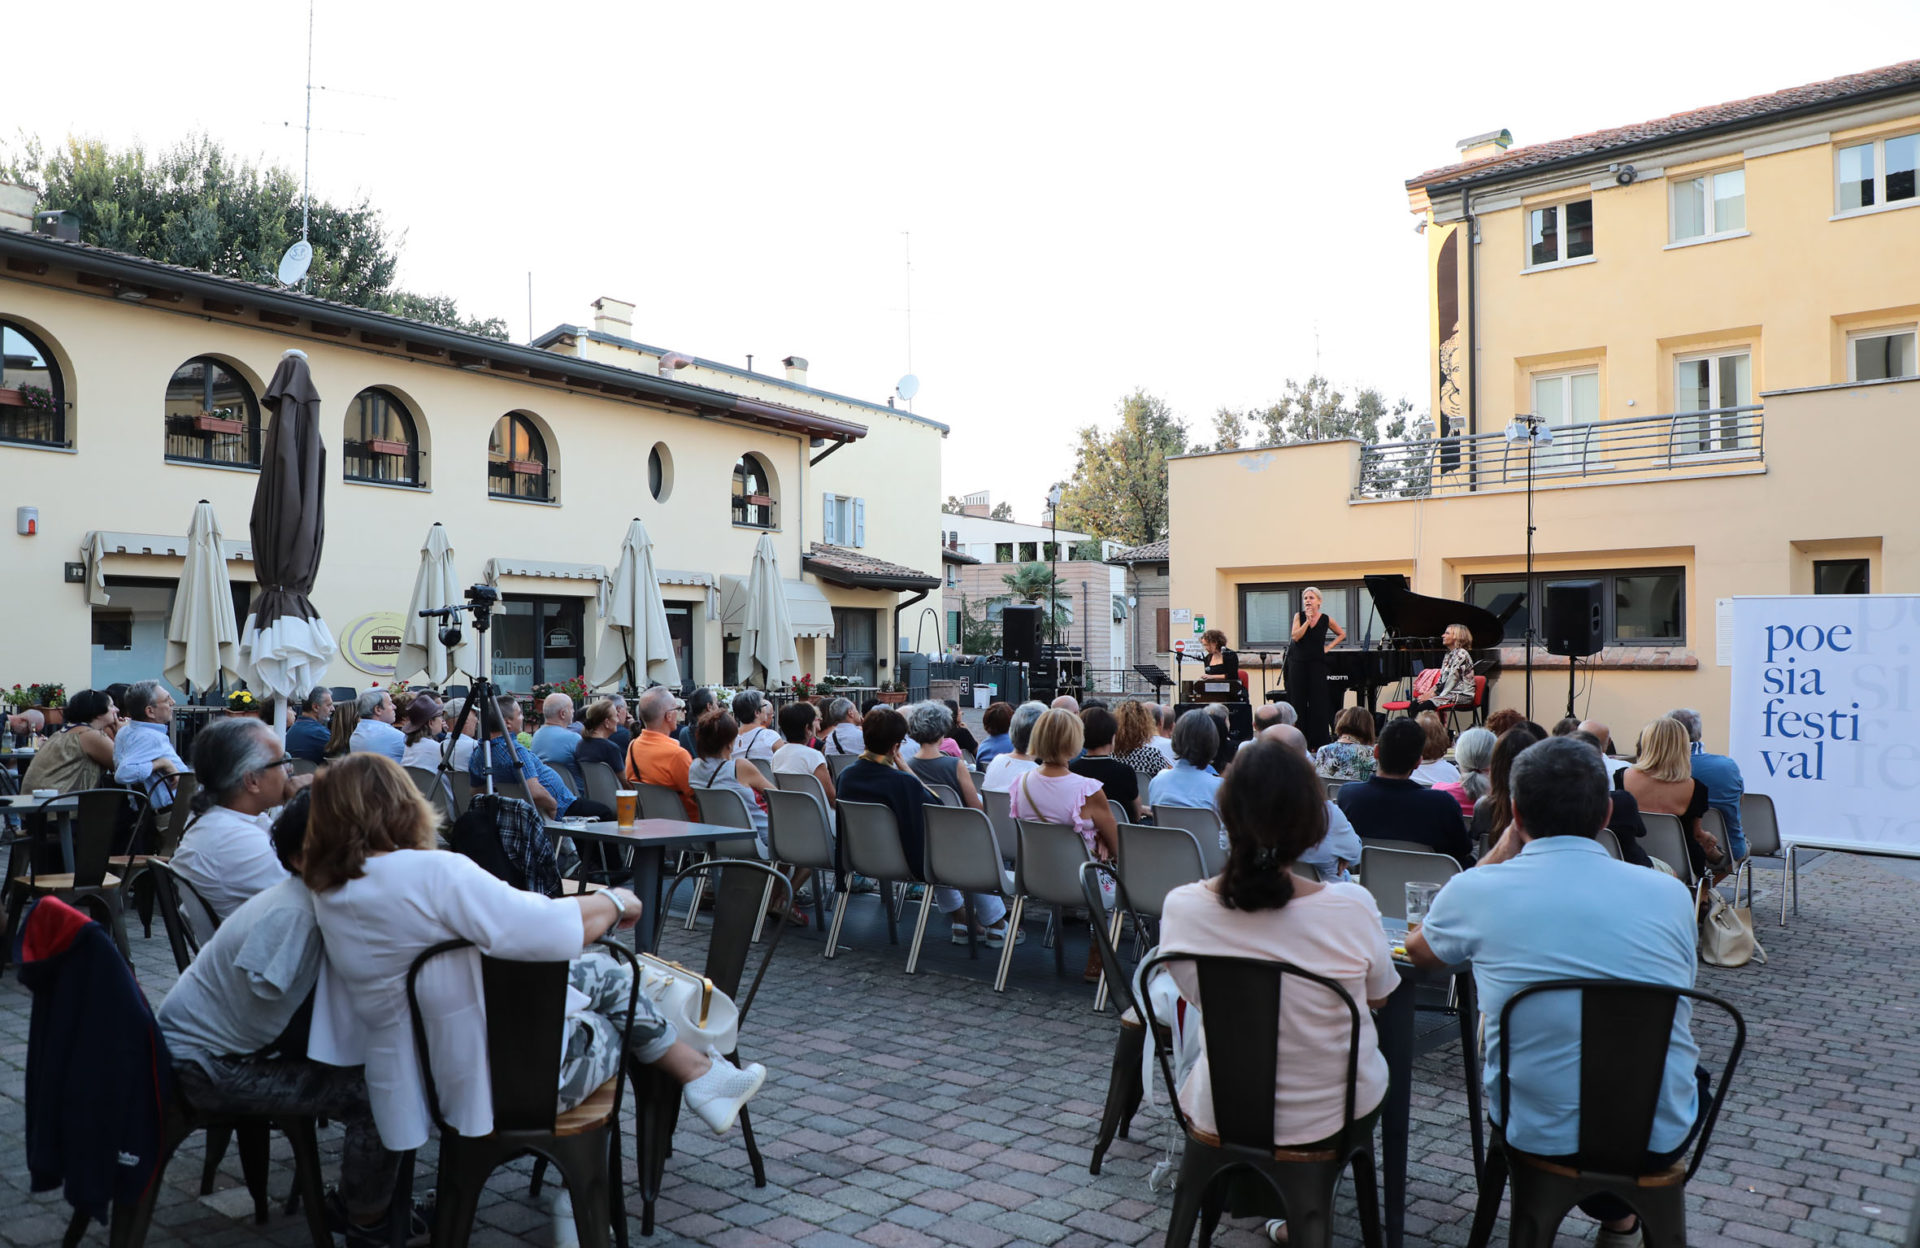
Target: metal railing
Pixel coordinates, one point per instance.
(1678, 443)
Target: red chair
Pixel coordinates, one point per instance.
(1477, 709)
(1421, 689)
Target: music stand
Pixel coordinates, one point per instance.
(1155, 675)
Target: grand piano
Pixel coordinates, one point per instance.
(1413, 624)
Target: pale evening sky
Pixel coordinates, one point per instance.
(1202, 200)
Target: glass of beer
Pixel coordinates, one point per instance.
(625, 800)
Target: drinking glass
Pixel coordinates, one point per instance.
(625, 800)
(1420, 896)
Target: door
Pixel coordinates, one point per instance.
(853, 650)
(536, 641)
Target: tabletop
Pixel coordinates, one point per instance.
(26, 801)
(653, 833)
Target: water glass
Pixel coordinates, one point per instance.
(1420, 895)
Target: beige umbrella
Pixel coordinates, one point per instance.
(766, 626)
(203, 642)
(635, 645)
(437, 585)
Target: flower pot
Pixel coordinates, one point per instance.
(526, 467)
(759, 500)
(205, 423)
(55, 715)
(12, 398)
(381, 446)
(893, 699)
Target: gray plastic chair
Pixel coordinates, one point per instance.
(601, 784)
(1386, 873)
(1666, 840)
(462, 791)
(1715, 822)
(657, 801)
(1204, 824)
(727, 809)
(949, 796)
(1001, 818)
(1047, 870)
(1156, 860)
(1761, 825)
(798, 782)
(428, 782)
(1333, 787)
(870, 843)
(1609, 842)
(800, 833)
(961, 853)
(837, 763)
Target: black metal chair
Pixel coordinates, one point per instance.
(99, 832)
(1626, 1028)
(1124, 1088)
(1240, 1001)
(525, 1003)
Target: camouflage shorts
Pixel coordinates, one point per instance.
(593, 1035)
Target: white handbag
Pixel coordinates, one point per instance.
(704, 1017)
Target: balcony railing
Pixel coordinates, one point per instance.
(1677, 444)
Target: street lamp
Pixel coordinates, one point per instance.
(1536, 433)
(1053, 582)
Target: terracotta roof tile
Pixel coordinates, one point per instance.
(1152, 552)
(850, 567)
(1754, 109)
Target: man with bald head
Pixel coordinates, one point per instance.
(557, 739)
(1066, 702)
(1270, 715)
(1339, 850)
(655, 757)
(1604, 735)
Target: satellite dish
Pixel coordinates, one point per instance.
(293, 265)
(907, 387)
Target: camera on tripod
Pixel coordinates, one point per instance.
(481, 600)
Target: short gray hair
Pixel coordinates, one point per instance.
(141, 694)
(747, 704)
(1473, 754)
(227, 751)
(369, 701)
(1690, 719)
(1195, 739)
(1025, 716)
(837, 711)
(316, 694)
(555, 704)
(655, 704)
(929, 723)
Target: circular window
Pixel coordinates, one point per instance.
(660, 472)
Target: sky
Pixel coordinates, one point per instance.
(1201, 200)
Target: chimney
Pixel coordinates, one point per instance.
(1481, 146)
(796, 369)
(613, 317)
(979, 504)
(16, 207)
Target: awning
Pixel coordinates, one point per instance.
(497, 568)
(811, 613)
(100, 543)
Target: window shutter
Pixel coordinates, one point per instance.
(829, 532)
(859, 522)
(1162, 629)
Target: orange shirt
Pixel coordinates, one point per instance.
(656, 758)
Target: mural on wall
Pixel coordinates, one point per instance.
(1446, 285)
(372, 642)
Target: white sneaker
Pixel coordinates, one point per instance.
(719, 1095)
(565, 1233)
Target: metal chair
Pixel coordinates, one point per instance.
(870, 846)
(184, 914)
(1385, 873)
(1666, 840)
(1762, 827)
(1124, 1086)
(1609, 842)
(961, 853)
(800, 832)
(96, 838)
(1047, 870)
(1204, 823)
(1626, 1031)
(1241, 999)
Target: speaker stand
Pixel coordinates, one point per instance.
(1573, 665)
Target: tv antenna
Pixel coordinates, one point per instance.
(909, 385)
(293, 265)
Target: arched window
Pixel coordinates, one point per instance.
(212, 415)
(517, 463)
(33, 394)
(382, 442)
(754, 504)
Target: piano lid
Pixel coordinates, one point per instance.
(1406, 614)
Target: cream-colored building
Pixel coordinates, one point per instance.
(131, 390)
(1714, 313)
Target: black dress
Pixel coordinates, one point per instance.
(1225, 666)
(1306, 674)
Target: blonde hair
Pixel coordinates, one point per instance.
(363, 804)
(1057, 738)
(1137, 727)
(1461, 631)
(1664, 751)
(1436, 743)
(1315, 591)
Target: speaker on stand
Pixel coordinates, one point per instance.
(1020, 643)
(1574, 625)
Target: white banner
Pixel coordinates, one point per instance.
(1825, 716)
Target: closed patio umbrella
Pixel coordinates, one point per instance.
(202, 639)
(437, 585)
(766, 627)
(635, 645)
(286, 644)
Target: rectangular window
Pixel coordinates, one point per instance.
(1029, 552)
(1266, 612)
(129, 638)
(1563, 400)
(1162, 630)
(1880, 354)
(953, 628)
(1003, 552)
(1560, 233)
(1709, 205)
(1840, 576)
(844, 521)
(1709, 383)
(1640, 606)
(1049, 552)
(1875, 174)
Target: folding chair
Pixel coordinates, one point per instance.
(1124, 1086)
(870, 846)
(962, 854)
(1046, 870)
(800, 832)
(1000, 816)
(1204, 823)
(1153, 862)
(1385, 873)
(1762, 827)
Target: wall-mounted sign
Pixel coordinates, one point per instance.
(1181, 615)
(372, 642)
(559, 639)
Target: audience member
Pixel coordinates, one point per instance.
(622, 722)
(1269, 714)
(426, 723)
(1349, 756)
(1434, 767)
(510, 760)
(143, 753)
(1338, 852)
(1563, 909)
(698, 704)
(1223, 735)
(1624, 821)
(80, 755)
(226, 852)
(796, 757)
(307, 735)
(1134, 735)
(1720, 774)
(1390, 806)
(1065, 702)
(466, 732)
(1565, 727)
(843, 728)
(1501, 721)
(346, 719)
(1006, 768)
(1117, 779)
(758, 739)
(1054, 793)
(1604, 736)
(717, 766)
(556, 739)
(1163, 737)
(599, 741)
(1191, 781)
(375, 733)
(656, 757)
(928, 725)
(994, 723)
(1472, 755)
(1494, 812)
(962, 735)
(1661, 779)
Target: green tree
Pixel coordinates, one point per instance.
(1034, 582)
(1313, 411)
(978, 635)
(954, 507)
(1118, 489)
(197, 206)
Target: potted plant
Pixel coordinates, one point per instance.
(385, 446)
(17, 698)
(38, 398)
(801, 688)
(242, 703)
(50, 701)
(220, 420)
(891, 693)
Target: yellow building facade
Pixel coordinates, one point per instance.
(1714, 314)
(141, 386)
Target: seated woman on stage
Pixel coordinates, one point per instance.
(1456, 673)
(1350, 755)
(1221, 663)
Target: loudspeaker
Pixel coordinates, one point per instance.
(1020, 632)
(1239, 717)
(1572, 623)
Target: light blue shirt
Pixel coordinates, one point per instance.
(370, 736)
(1340, 844)
(554, 745)
(136, 748)
(1183, 784)
(529, 763)
(1566, 909)
(1724, 784)
(992, 748)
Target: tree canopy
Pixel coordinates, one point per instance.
(1313, 411)
(1118, 489)
(198, 206)
(954, 507)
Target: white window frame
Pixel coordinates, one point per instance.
(1883, 331)
(1563, 261)
(1566, 454)
(1879, 204)
(1721, 433)
(1713, 232)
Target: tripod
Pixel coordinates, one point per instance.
(484, 696)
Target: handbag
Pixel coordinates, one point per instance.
(704, 1017)
(1726, 931)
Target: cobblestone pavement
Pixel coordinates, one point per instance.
(918, 1110)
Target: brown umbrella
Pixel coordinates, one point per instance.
(287, 644)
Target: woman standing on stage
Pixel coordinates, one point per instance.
(1221, 663)
(1306, 667)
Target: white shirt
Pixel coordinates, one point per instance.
(228, 857)
(756, 744)
(1165, 746)
(424, 753)
(1004, 770)
(846, 739)
(795, 759)
(1439, 771)
(1614, 765)
(370, 736)
(374, 927)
